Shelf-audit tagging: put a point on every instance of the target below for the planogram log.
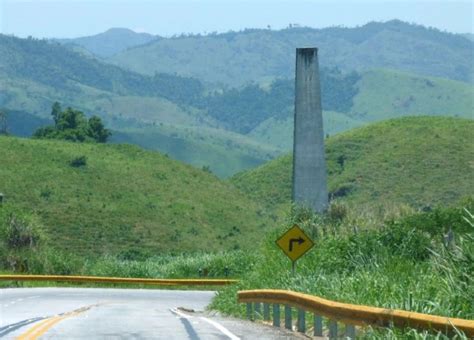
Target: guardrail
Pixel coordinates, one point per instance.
(337, 312)
(100, 279)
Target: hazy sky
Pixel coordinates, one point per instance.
(72, 18)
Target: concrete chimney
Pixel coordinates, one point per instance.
(309, 165)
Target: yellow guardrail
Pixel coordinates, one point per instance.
(99, 279)
(357, 314)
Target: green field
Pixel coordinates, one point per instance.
(124, 198)
(418, 161)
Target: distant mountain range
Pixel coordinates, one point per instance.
(110, 42)
(257, 55)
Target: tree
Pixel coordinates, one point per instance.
(97, 130)
(55, 112)
(3, 123)
(73, 125)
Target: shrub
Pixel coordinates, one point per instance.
(20, 233)
(78, 162)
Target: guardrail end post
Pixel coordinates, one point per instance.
(288, 322)
(350, 332)
(266, 312)
(318, 325)
(276, 315)
(332, 329)
(249, 311)
(301, 321)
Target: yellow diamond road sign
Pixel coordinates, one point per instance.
(295, 243)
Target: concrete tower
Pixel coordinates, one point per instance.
(309, 165)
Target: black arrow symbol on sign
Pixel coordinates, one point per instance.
(293, 240)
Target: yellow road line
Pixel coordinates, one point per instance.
(39, 328)
(42, 327)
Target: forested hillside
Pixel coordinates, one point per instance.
(51, 64)
(236, 58)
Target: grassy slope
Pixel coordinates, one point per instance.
(223, 151)
(124, 198)
(279, 132)
(414, 160)
(383, 94)
(386, 94)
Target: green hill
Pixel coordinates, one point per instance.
(386, 94)
(419, 161)
(381, 94)
(124, 198)
(236, 58)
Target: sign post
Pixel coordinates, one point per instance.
(294, 243)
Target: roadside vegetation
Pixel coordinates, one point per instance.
(409, 262)
(25, 248)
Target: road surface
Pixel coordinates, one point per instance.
(80, 313)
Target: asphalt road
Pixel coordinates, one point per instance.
(79, 313)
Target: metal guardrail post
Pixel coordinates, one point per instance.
(258, 310)
(332, 329)
(266, 312)
(350, 331)
(249, 311)
(276, 315)
(318, 325)
(353, 314)
(301, 321)
(288, 322)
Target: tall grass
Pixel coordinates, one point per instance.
(402, 264)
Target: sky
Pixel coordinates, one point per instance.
(74, 18)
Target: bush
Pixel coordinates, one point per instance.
(78, 162)
(20, 233)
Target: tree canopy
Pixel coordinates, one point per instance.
(73, 125)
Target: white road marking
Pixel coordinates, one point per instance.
(180, 314)
(215, 324)
(221, 328)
